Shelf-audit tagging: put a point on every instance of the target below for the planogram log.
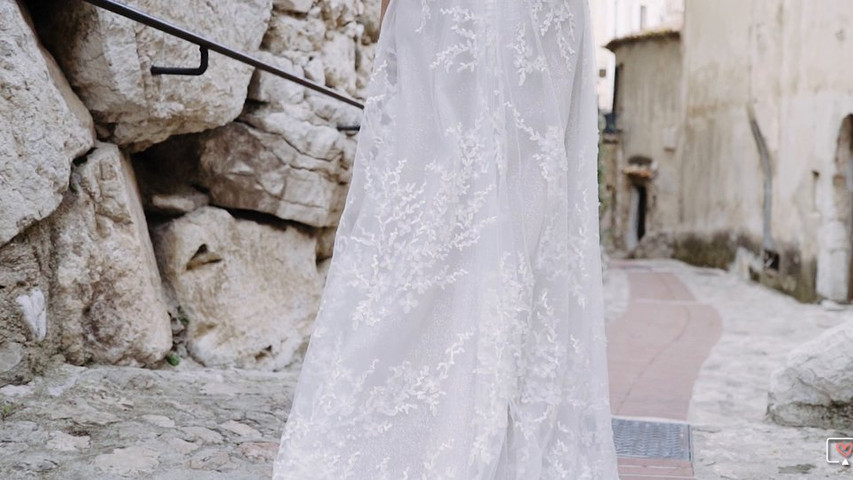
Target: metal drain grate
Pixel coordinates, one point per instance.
(645, 439)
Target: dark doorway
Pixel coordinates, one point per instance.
(642, 204)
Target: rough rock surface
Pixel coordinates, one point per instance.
(43, 126)
(268, 88)
(247, 168)
(84, 281)
(106, 293)
(25, 346)
(108, 60)
(323, 38)
(288, 167)
(815, 386)
(248, 290)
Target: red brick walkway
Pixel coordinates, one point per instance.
(655, 351)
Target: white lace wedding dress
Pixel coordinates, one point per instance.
(460, 335)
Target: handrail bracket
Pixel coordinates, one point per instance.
(191, 71)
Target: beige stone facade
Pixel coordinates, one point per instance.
(747, 119)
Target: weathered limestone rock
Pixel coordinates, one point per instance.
(270, 89)
(331, 111)
(106, 295)
(288, 35)
(324, 40)
(369, 17)
(364, 56)
(249, 290)
(815, 386)
(247, 168)
(339, 61)
(338, 13)
(326, 242)
(25, 345)
(287, 167)
(293, 6)
(322, 142)
(84, 281)
(108, 60)
(43, 126)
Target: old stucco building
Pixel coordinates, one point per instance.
(734, 143)
(620, 18)
(641, 181)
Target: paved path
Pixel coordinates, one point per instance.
(655, 350)
(698, 345)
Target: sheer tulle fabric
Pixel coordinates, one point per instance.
(460, 335)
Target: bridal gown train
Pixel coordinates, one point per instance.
(460, 334)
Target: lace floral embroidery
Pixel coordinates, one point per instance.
(460, 335)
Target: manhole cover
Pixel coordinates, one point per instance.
(646, 439)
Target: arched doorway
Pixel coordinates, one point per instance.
(835, 267)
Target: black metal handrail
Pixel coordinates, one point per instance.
(206, 43)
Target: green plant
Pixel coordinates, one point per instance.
(182, 316)
(6, 410)
(173, 359)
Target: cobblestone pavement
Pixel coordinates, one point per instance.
(114, 423)
(191, 423)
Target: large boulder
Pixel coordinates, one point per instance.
(106, 295)
(248, 289)
(301, 176)
(84, 281)
(108, 60)
(289, 168)
(815, 386)
(43, 126)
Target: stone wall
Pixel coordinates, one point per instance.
(145, 218)
(771, 73)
